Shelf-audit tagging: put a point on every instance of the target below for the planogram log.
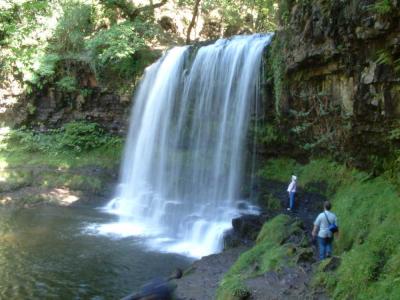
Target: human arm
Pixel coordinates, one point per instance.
(337, 235)
(317, 224)
(315, 231)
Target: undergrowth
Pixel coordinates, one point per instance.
(72, 157)
(76, 144)
(368, 209)
(269, 253)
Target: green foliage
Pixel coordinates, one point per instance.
(73, 181)
(386, 58)
(46, 69)
(20, 38)
(332, 174)
(105, 46)
(30, 108)
(381, 7)
(284, 11)
(61, 44)
(274, 231)
(48, 43)
(285, 7)
(74, 137)
(79, 157)
(73, 27)
(277, 67)
(82, 136)
(269, 253)
(279, 169)
(67, 84)
(271, 203)
(236, 15)
(368, 210)
(29, 141)
(394, 134)
(114, 49)
(265, 134)
(389, 165)
(14, 179)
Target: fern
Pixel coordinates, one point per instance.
(384, 57)
(381, 7)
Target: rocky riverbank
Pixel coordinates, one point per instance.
(76, 163)
(290, 281)
(38, 185)
(281, 263)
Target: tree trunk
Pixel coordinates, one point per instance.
(130, 11)
(193, 22)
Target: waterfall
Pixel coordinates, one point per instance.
(185, 152)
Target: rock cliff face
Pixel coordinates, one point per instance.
(336, 75)
(106, 108)
(52, 108)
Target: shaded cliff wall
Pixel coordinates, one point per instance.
(335, 67)
(51, 108)
(109, 109)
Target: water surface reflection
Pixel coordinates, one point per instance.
(46, 254)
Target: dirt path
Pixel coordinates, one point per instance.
(202, 280)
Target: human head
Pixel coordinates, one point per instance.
(294, 177)
(327, 205)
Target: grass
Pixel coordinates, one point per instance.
(105, 157)
(78, 144)
(74, 158)
(271, 203)
(269, 253)
(88, 183)
(332, 174)
(14, 179)
(368, 209)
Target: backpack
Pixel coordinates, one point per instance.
(332, 226)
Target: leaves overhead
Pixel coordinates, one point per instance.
(65, 44)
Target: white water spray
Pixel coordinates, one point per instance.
(184, 156)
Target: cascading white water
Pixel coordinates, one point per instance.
(184, 156)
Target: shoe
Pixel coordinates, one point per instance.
(288, 208)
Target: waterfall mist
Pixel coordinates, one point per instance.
(185, 152)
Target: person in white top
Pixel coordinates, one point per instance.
(325, 235)
(292, 191)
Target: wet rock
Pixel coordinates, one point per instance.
(244, 232)
(368, 74)
(231, 240)
(248, 226)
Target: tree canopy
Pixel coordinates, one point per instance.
(76, 45)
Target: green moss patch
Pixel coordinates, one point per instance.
(80, 157)
(368, 209)
(14, 179)
(270, 253)
(270, 202)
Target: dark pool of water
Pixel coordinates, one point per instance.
(45, 253)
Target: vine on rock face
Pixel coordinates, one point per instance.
(278, 70)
